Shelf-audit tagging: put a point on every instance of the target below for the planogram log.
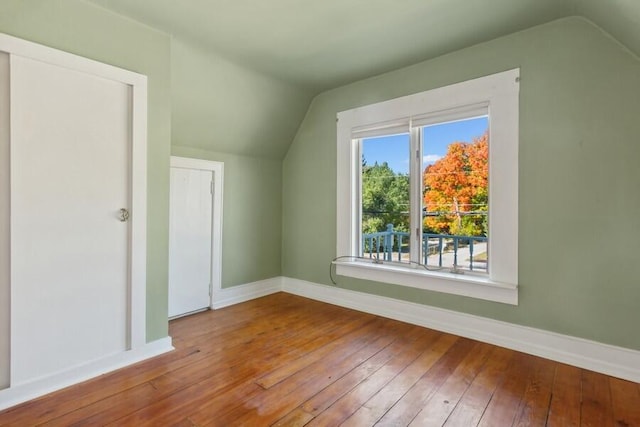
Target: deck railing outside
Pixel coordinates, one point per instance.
(391, 245)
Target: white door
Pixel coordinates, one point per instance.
(190, 240)
(70, 156)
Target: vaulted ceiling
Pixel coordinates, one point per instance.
(324, 44)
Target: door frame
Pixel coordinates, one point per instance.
(137, 168)
(217, 169)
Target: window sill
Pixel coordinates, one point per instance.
(457, 284)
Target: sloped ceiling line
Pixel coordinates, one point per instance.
(321, 45)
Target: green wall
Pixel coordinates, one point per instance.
(252, 215)
(579, 180)
(225, 107)
(92, 32)
(225, 112)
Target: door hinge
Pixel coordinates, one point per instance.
(211, 188)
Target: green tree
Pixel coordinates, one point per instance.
(385, 198)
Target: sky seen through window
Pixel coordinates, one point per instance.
(395, 149)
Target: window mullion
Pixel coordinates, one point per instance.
(356, 227)
(415, 182)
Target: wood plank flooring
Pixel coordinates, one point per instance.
(283, 360)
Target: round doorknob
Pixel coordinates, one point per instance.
(124, 215)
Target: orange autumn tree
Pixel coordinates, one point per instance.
(456, 190)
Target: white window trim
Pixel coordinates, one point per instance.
(501, 93)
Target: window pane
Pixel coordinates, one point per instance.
(455, 202)
(385, 198)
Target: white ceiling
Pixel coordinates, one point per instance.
(327, 43)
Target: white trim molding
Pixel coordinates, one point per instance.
(31, 390)
(608, 359)
(474, 286)
(236, 294)
(138, 169)
(496, 97)
(17, 50)
(217, 168)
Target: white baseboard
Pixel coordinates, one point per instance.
(21, 393)
(608, 359)
(241, 293)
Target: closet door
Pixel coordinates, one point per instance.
(70, 177)
(190, 240)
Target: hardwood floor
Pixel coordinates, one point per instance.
(288, 361)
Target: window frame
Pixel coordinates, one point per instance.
(499, 94)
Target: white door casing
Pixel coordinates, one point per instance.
(78, 155)
(195, 234)
(5, 283)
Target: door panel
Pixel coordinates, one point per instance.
(70, 157)
(190, 240)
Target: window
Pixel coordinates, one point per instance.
(428, 189)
